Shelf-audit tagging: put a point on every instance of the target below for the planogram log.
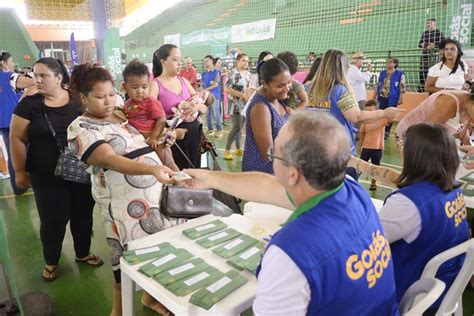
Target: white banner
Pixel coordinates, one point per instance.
(173, 39)
(254, 31)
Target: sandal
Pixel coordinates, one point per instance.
(49, 275)
(157, 307)
(373, 187)
(91, 260)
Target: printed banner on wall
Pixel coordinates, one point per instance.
(461, 21)
(113, 53)
(254, 31)
(172, 39)
(206, 37)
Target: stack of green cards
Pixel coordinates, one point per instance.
(234, 246)
(203, 230)
(249, 259)
(166, 262)
(215, 292)
(188, 285)
(468, 178)
(468, 189)
(218, 238)
(181, 271)
(144, 254)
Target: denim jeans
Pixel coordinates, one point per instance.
(6, 140)
(214, 110)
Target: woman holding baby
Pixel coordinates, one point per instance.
(171, 90)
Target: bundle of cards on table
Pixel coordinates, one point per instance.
(166, 262)
(190, 284)
(218, 238)
(249, 259)
(234, 246)
(182, 270)
(468, 178)
(204, 229)
(208, 296)
(144, 254)
(468, 189)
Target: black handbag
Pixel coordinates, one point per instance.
(68, 167)
(181, 202)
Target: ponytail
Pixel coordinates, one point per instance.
(161, 53)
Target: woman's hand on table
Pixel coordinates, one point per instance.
(200, 179)
(22, 180)
(163, 174)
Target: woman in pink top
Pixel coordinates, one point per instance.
(170, 90)
(454, 109)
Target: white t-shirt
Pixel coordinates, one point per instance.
(358, 79)
(446, 80)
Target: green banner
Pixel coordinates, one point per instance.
(460, 21)
(206, 37)
(113, 53)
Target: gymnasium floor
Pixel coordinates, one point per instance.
(83, 290)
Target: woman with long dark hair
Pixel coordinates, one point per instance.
(451, 72)
(171, 90)
(427, 214)
(35, 154)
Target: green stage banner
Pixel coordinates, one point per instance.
(113, 53)
(460, 21)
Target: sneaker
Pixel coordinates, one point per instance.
(219, 134)
(210, 132)
(4, 176)
(228, 155)
(239, 152)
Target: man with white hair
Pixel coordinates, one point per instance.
(189, 72)
(358, 79)
(331, 256)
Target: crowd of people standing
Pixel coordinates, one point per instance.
(299, 139)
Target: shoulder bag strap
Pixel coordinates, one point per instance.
(50, 125)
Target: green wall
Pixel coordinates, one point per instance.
(15, 39)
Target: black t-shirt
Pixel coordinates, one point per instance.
(43, 151)
(435, 37)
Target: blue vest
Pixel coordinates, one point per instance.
(8, 99)
(444, 225)
(340, 247)
(330, 105)
(395, 80)
(208, 78)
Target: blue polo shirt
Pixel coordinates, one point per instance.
(208, 78)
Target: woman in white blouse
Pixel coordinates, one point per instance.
(451, 72)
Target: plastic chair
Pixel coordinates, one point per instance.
(452, 302)
(420, 296)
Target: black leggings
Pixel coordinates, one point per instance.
(374, 155)
(58, 202)
(189, 145)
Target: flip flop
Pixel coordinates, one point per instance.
(49, 275)
(373, 187)
(91, 260)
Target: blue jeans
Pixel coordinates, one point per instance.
(214, 110)
(6, 140)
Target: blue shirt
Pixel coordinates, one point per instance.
(210, 77)
(443, 226)
(8, 99)
(331, 105)
(253, 159)
(340, 247)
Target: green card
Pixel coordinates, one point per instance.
(218, 238)
(248, 259)
(190, 284)
(234, 246)
(208, 296)
(204, 229)
(166, 262)
(181, 271)
(144, 254)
